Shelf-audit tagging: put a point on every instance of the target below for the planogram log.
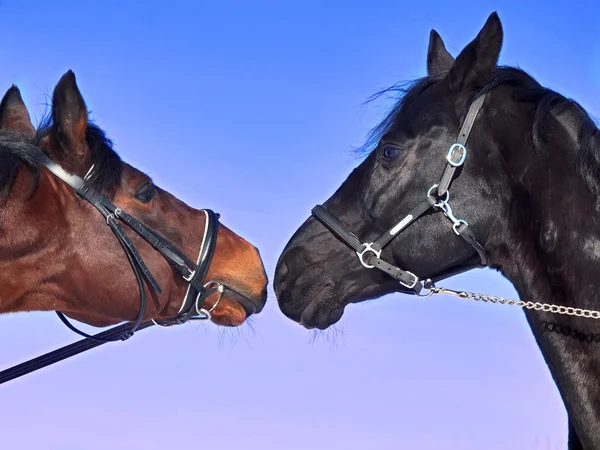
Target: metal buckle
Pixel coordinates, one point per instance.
(114, 215)
(410, 286)
(450, 155)
(190, 276)
(368, 248)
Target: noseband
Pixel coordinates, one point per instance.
(438, 196)
(194, 274)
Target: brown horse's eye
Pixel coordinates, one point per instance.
(145, 193)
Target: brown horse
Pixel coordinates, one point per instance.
(57, 252)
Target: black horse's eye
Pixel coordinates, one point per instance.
(145, 193)
(390, 152)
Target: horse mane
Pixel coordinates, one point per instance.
(550, 104)
(405, 92)
(18, 150)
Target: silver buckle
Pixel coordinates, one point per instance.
(410, 286)
(190, 276)
(463, 155)
(368, 248)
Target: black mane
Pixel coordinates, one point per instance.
(526, 89)
(17, 150)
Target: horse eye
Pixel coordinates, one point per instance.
(146, 193)
(390, 152)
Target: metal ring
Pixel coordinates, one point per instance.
(431, 289)
(368, 248)
(429, 194)
(208, 312)
(429, 293)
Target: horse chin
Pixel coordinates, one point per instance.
(228, 313)
(321, 312)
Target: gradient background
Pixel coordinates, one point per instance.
(251, 108)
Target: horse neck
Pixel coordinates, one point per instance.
(551, 246)
(30, 226)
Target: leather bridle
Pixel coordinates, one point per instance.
(438, 196)
(193, 273)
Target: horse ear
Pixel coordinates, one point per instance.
(475, 65)
(438, 58)
(13, 113)
(70, 118)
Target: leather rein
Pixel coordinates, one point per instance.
(193, 273)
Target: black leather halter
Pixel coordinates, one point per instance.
(369, 254)
(194, 274)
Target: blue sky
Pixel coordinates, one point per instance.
(252, 108)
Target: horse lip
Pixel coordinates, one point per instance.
(313, 303)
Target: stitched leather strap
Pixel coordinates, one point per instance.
(463, 137)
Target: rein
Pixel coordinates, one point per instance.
(194, 274)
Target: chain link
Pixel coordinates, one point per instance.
(546, 307)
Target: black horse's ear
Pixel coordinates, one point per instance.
(438, 58)
(13, 113)
(475, 65)
(70, 118)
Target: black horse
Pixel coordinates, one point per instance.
(528, 191)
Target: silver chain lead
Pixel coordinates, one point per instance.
(546, 307)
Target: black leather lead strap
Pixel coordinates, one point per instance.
(458, 151)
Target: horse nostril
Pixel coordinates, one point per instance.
(282, 271)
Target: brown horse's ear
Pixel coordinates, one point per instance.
(13, 113)
(438, 58)
(70, 118)
(475, 65)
